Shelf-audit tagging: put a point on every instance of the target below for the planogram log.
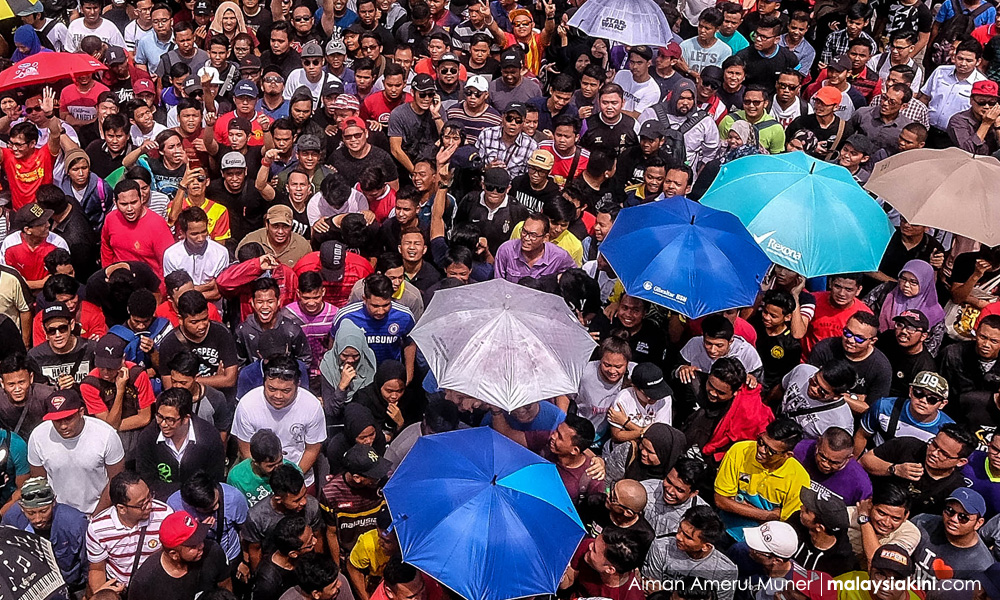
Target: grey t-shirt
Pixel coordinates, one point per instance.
(666, 562)
(935, 555)
(502, 94)
(345, 592)
(796, 398)
(263, 517)
(214, 408)
(662, 516)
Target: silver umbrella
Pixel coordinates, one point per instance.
(630, 22)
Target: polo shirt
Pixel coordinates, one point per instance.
(350, 509)
(884, 135)
(743, 478)
(386, 337)
(509, 262)
(565, 240)
(948, 94)
(29, 262)
(202, 266)
(110, 540)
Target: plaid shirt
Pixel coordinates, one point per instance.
(837, 44)
(915, 109)
(491, 147)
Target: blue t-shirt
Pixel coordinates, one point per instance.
(548, 418)
(235, 510)
(68, 536)
(876, 421)
(386, 337)
(986, 17)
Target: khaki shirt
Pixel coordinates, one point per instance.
(296, 248)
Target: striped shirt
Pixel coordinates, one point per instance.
(317, 330)
(108, 539)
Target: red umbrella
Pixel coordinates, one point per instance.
(46, 67)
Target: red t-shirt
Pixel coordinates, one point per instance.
(88, 316)
(26, 176)
(144, 240)
(221, 131)
(560, 169)
(337, 293)
(828, 321)
(434, 589)
(30, 263)
(377, 108)
(92, 395)
(81, 106)
(425, 66)
(588, 583)
(166, 311)
(384, 205)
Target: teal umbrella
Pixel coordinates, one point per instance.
(809, 216)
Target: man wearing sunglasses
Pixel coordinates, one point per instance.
(64, 357)
(918, 415)
(856, 345)
(974, 129)
(507, 145)
(814, 397)
(950, 546)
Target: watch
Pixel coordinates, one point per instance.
(862, 519)
(892, 470)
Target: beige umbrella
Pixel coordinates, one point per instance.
(948, 189)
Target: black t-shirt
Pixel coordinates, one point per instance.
(779, 353)
(602, 136)
(916, 18)
(904, 365)
(965, 266)
(77, 363)
(896, 255)
(490, 70)
(823, 134)
(649, 344)
(874, 372)
(764, 70)
(497, 229)
(836, 560)
(271, 581)
(102, 163)
(115, 309)
(246, 207)
(217, 349)
(165, 180)
(152, 581)
(928, 494)
(351, 167)
(532, 199)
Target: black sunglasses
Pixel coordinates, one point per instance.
(922, 394)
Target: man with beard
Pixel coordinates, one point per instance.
(647, 340)
(631, 165)
(277, 237)
(906, 349)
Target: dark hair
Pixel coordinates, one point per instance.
(865, 318)
(961, 435)
(859, 11)
(179, 69)
(265, 446)
(441, 416)
(622, 549)
(286, 533)
(315, 571)
(855, 277)
(191, 302)
(370, 178)
(611, 88)
(397, 572)
(126, 185)
(310, 281)
(799, 15)
(730, 8)
(583, 431)
(458, 255)
(184, 362)
(281, 366)
(183, 26)
(730, 371)
(970, 45)
(57, 258)
(691, 471)
(903, 34)
(283, 123)
(920, 131)
(138, 173)
(566, 121)
(388, 260)
(600, 161)
(712, 16)
(115, 122)
(378, 285)
(60, 284)
(198, 490)
(191, 214)
(15, 363)
(890, 493)
(708, 524)
(286, 480)
(780, 299)
(142, 304)
(734, 61)
(717, 327)
(905, 90)
(594, 71)
(218, 39)
(263, 284)
(840, 375)
(771, 22)
(683, 169)
(785, 431)
(992, 321)
(559, 209)
(120, 483)
(544, 219)
(837, 438)
(176, 280)
(27, 130)
(178, 398)
(50, 197)
(860, 41)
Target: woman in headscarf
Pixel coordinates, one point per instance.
(382, 397)
(741, 141)
(914, 290)
(229, 22)
(26, 43)
(360, 427)
(345, 369)
(650, 457)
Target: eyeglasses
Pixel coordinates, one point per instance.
(787, 86)
(833, 463)
(201, 178)
(767, 449)
(613, 499)
(472, 92)
(922, 394)
(311, 62)
(425, 94)
(933, 445)
(353, 136)
(514, 119)
(168, 421)
(962, 517)
(985, 101)
(145, 503)
(57, 329)
(531, 235)
(895, 48)
(32, 109)
(890, 101)
(760, 36)
(449, 71)
(908, 328)
(850, 335)
(495, 188)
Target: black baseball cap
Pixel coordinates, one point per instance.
(496, 177)
(648, 378)
(56, 311)
(830, 509)
(110, 352)
(913, 317)
(422, 82)
(516, 107)
(511, 57)
(363, 460)
(895, 558)
(332, 259)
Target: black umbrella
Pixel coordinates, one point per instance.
(28, 568)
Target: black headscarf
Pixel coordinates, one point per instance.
(357, 418)
(370, 396)
(668, 443)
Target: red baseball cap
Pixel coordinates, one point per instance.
(62, 404)
(986, 88)
(144, 85)
(181, 529)
(671, 50)
(352, 122)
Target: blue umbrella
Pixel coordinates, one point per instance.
(809, 216)
(686, 257)
(483, 515)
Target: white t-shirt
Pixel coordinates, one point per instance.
(107, 31)
(796, 398)
(202, 267)
(742, 350)
(300, 423)
(318, 207)
(596, 396)
(660, 411)
(638, 96)
(698, 58)
(77, 467)
(138, 137)
(297, 79)
(132, 34)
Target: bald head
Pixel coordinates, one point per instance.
(631, 495)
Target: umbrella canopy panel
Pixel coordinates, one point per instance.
(28, 567)
(633, 23)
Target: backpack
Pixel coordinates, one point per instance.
(673, 138)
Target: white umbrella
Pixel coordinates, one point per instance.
(503, 343)
(630, 22)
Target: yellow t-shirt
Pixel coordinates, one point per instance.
(566, 240)
(743, 478)
(368, 555)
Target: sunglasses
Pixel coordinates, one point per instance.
(286, 374)
(201, 178)
(31, 496)
(962, 517)
(850, 335)
(57, 329)
(353, 136)
(922, 394)
(302, 19)
(712, 85)
(767, 449)
(425, 94)
(312, 62)
(473, 92)
(273, 80)
(986, 102)
(514, 119)
(453, 71)
(32, 109)
(495, 189)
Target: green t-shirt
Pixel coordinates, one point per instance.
(253, 486)
(736, 42)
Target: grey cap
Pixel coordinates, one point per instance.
(336, 46)
(312, 50)
(233, 160)
(309, 142)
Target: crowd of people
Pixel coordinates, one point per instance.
(214, 252)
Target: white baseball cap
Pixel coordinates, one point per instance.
(773, 537)
(477, 82)
(208, 70)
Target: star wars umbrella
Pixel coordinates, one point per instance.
(633, 23)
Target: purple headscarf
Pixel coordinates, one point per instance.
(926, 301)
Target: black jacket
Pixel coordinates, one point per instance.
(159, 467)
